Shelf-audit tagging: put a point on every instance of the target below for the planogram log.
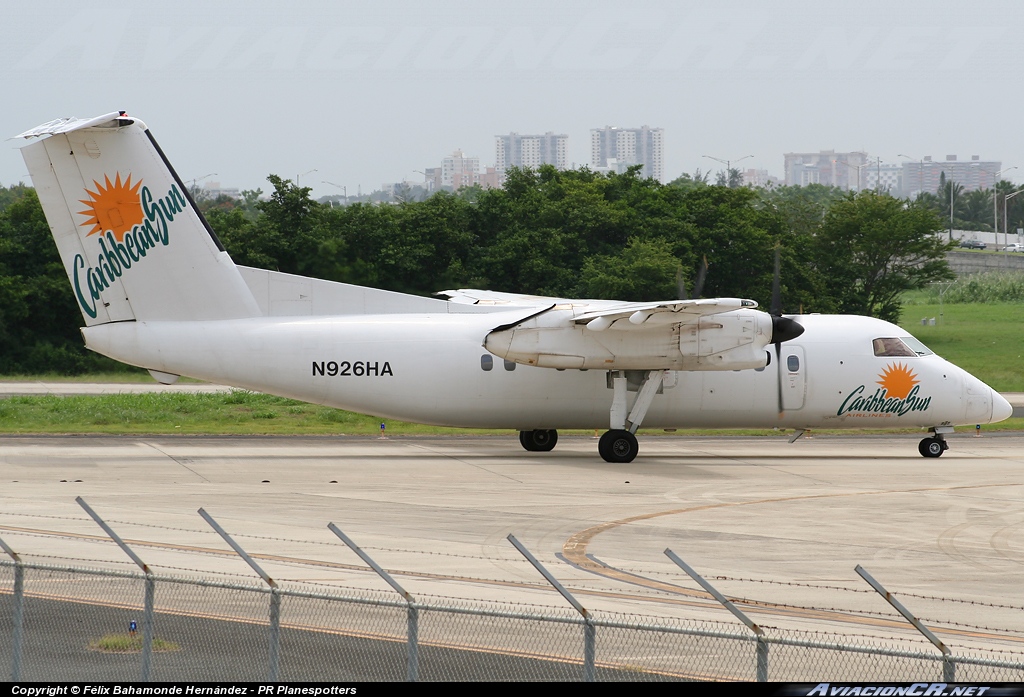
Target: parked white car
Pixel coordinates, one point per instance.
(1015, 247)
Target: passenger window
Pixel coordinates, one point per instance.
(510, 365)
(486, 361)
(892, 347)
(793, 363)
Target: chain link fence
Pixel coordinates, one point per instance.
(70, 623)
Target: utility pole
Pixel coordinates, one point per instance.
(728, 166)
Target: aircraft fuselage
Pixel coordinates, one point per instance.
(432, 368)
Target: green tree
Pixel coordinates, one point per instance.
(641, 271)
(39, 319)
(690, 181)
(284, 237)
(10, 194)
(873, 247)
(977, 210)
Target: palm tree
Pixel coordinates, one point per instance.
(977, 206)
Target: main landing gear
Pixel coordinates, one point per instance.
(619, 444)
(539, 441)
(936, 444)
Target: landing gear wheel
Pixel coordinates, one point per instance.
(618, 446)
(539, 441)
(932, 447)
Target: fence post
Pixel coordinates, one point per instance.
(589, 630)
(948, 662)
(18, 611)
(274, 635)
(761, 650)
(149, 595)
(412, 612)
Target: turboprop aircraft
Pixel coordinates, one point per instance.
(157, 289)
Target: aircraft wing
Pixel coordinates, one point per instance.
(598, 315)
(472, 296)
(651, 314)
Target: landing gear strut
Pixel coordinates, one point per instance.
(618, 444)
(539, 441)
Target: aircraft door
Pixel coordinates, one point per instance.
(794, 383)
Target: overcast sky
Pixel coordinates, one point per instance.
(369, 93)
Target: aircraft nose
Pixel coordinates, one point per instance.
(1001, 409)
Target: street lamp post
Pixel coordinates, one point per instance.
(856, 167)
(728, 165)
(344, 189)
(1006, 232)
(995, 203)
(195, 191)
(300, 176)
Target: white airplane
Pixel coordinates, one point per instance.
(158, 290)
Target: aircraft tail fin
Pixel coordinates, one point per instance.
(133, 243)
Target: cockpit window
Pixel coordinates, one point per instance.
(916, 345)
(892, 346)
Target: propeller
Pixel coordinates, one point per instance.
(783, 328)
(698, 287)
(680, 284)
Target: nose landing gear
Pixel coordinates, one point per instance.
(936, 444)
(932, 447)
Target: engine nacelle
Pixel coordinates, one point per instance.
(733, 340)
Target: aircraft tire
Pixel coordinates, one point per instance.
(538, 441)
(618, 446)
(931, 447)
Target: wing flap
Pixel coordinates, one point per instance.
(673, 312)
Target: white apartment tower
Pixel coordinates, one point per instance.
(629, 146)
(459, 170)
(515, 150)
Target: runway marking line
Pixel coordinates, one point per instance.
(575, 551)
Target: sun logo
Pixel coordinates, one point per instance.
(114, 207)
(898, 380)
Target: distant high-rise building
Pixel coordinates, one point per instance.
(759, 178)
(883, 176)
(432, 179)
(923, 175)
(828, 167)
(491, 178)
(515, 150)
(629, 146)
(459, 170)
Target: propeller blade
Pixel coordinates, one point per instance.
(776, 308)
(778, 372)
(698, 287)
(680, 284)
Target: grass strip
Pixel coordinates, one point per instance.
(125, 643)
(250, 413)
